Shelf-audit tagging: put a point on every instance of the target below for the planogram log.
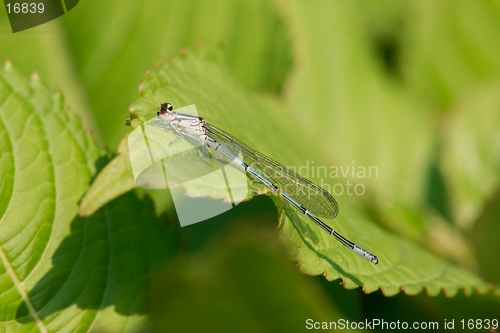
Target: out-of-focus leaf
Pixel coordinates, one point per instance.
(44, 49)
(60, 272)
(449, 45)
(436, 310)
(196, 79)
(471, 151)
(353, 114)
(244, 285)
(485, 241)
(112, 44)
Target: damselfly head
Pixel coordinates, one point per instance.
(165, 107)
(165, 111)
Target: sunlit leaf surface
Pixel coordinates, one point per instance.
(60, 272)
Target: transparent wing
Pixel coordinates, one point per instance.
(309, 195)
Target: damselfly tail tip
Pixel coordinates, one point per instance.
(365, 254)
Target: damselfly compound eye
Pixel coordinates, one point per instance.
(165, 107)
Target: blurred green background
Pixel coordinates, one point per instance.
(411, 86)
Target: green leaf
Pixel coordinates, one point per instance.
(470, 161)
(484, 241)
(252, 33)
(354, 113)
(98, 76)
(248, 277)
(114, 180)
(50, 56)
(436, 309)
(60, 272)
(199, 79)
(402, 265)
(449, 46)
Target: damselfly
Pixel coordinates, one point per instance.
(310, 199)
